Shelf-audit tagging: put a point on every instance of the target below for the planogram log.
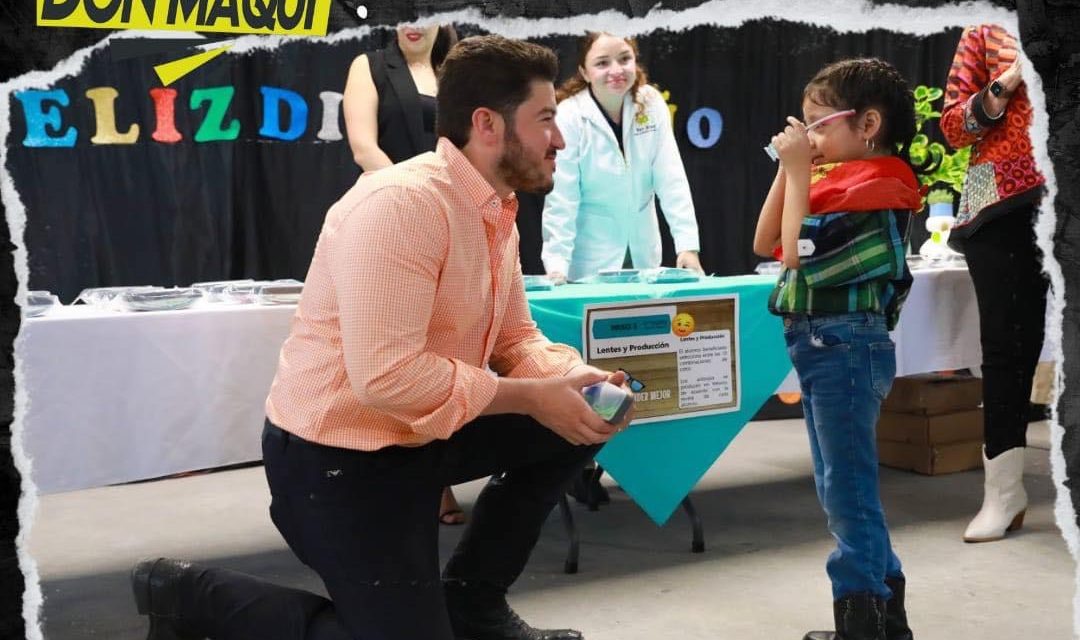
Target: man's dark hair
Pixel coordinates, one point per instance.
(488, 71)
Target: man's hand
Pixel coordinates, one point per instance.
(561, 407)
(619, 379)
(689, 260)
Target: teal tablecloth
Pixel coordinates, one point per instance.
(658, 463)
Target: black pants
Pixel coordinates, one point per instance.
(1006, 269)
(367, 523)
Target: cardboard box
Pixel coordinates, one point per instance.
(944, 428)
(933, 393)
(933, 459)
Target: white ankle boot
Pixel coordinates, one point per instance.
(1004, 498)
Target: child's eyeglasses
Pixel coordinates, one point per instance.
(632, 382)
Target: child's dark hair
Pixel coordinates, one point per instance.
(862, 83)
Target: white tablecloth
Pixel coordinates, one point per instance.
(938, 328)
(116, 397)
(939, 324)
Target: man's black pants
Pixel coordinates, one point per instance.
(367, 523)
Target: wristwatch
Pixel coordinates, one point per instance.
(997, 88)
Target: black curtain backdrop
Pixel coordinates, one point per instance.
(173, 214)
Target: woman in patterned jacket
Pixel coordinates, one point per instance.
(986, 105)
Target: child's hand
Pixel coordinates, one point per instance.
(793, 145)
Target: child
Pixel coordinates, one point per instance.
(837, 216)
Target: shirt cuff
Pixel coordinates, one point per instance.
(553, 265)
(477, 390)
(687, 245)
(978, 111)
(551, 362)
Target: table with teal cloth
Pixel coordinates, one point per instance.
(83, 366)
(658, 463)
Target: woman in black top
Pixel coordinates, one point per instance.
(389, 100)
(389, 111)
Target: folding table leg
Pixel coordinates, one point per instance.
(592, 489)
(571, 564)
(698, 543)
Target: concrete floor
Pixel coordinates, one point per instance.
(762, 576)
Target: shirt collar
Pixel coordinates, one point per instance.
(479, 191)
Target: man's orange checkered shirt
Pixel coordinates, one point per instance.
(414, 287)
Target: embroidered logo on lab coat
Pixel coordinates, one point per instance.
(643, 123)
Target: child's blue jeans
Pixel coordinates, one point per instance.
(846, 364)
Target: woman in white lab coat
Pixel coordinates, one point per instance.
(620, 153)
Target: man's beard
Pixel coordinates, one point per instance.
(519, 172)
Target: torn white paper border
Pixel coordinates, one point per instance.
(1064, 510)
(840, 15)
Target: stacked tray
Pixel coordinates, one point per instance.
(538, 283)
(616, 276)
(38, 303)
(669, 275)
(279, 292)
(108, 298)
(159, 299)
(215, 291)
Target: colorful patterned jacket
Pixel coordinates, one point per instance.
(1002, 166)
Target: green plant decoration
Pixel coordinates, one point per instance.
(937, 196)
(942, 167)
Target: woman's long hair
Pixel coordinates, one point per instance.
(575, 83)
(444, 41)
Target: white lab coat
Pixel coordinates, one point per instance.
(603, 201)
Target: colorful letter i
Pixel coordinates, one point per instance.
(165, 109)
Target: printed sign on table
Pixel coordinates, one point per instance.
(680, 354)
